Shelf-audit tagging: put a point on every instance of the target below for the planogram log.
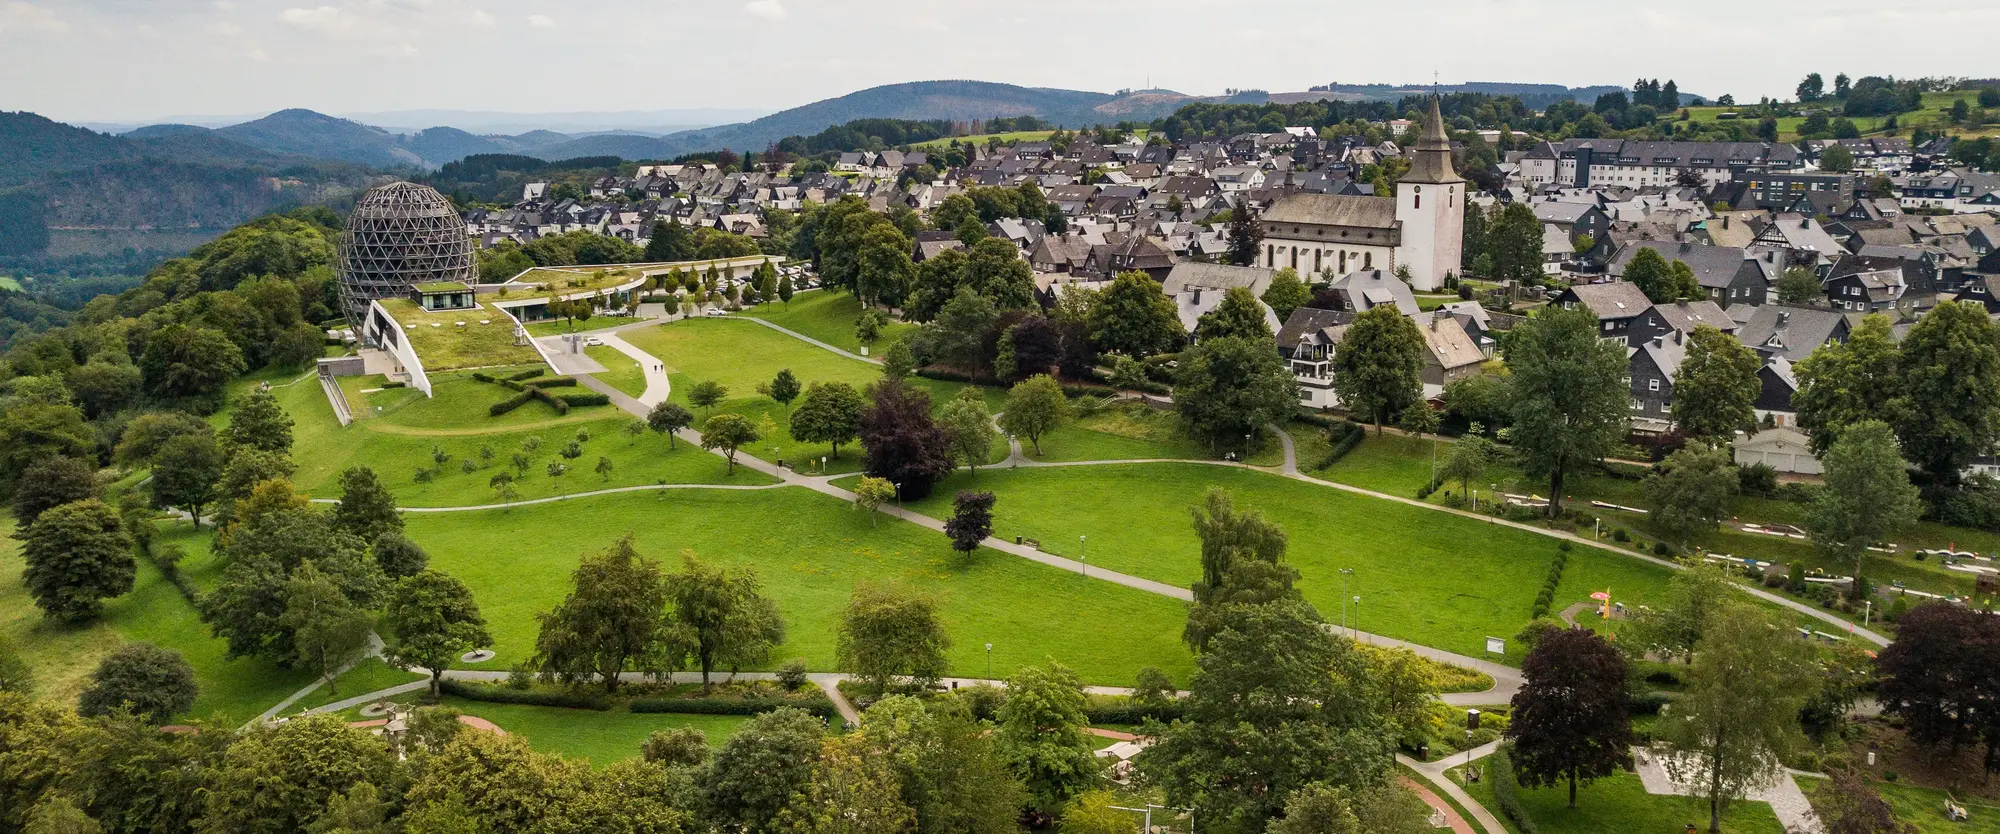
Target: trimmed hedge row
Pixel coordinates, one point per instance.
(530, 373)
(509, 404)
(554, 401)
(1131, 713)
(732, 706)
(1342, 436)
(1501, 772)
(555, 382)
(592, 398)
(502, 695)
(1547, 596)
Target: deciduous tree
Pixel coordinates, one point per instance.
(785, 389)
(871, 493)
(1240, 315)
(889, 632)
(971, 521)
(1035, 407)
(706, 394)
(668, 418)
(756, 773)
(1041, 734)
(1228, 390)
(719, 616)
(1286, 293)
(1690, 492)
(1377, 370)
(367, 508)
(830, 413)
(328, 631)
(611, 618)
(1949, 407)
(153, 683)
(77, 556)
(185, 474)
(1567, 395)
(1868, 496)
(432, 620)
(1716, 386)
(1843, 383)
(1739, 713)
(970, 426)
(51, 483)
(1135, 317)
(258, 422)
(1571, 721)
(903, 444)
(728, 432)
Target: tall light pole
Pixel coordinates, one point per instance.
(1344, 574)
(899, 496)
(1083, 555)
(1357, 617)
(989, 661)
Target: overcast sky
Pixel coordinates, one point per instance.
(109, 60)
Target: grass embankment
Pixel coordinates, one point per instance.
(1399, 465)
(1933, 113)
(63, 657)
(810, 550)
(827, 315)
(743, 355)
(620, 371)
(322, 448)
(453, 339)
(1423, 576)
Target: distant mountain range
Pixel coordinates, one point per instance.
(627, 135)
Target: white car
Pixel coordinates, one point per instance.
(715, 311)
(594, 342)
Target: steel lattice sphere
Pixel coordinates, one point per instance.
(400, 235)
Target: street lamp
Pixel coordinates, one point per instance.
(1357, 616)
(1344, 574)
(899, 496)
(989, 661)
(1083, 555)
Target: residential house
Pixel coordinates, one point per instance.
(1727, 275)
(1792, 332)
(1358, 292)
(1678, 317)
(1616, 304)
(1452, 352)
(1307, 341)
(1652, 365)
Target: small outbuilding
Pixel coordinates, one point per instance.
(1785, 450)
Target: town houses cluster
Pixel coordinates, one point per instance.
(1896, 232)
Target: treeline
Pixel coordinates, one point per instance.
(498, 178)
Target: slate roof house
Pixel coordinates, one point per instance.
(1730, 276)
(1678, 317)
(1652, 364)
(1792, 332)
(1616, 304)
(1307, 341)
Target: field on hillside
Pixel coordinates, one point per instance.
(827, 315)
(742, 355)
(809, 550)
(1933, 114)
(1424, 576)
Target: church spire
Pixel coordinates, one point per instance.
(1430, 160)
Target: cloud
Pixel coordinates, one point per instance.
(766, 9)
(20, 16)
(224, 29)
(541, 21)
(321, 19)
(481, 19)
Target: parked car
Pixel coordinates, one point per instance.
(594, 342)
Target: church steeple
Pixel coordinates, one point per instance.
(1430, 161)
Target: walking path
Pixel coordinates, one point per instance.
(810, 340)
(1434, 773)
(1788, 802)
(1452, 819)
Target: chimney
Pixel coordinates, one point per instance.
(1197, 296)
(1725, 221)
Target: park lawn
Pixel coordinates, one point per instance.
(1924, 808)
(555, 327)
(60, 656)
(459, 405)
(1619, 803)
(1133, 431)
(744, 355)
(620, 371)
(322, 449)
(602, 737)
(1426, 576)
(810, 550)
(372, 674)
(827, 315)
(453, 339)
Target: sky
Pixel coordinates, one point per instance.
(133, 60)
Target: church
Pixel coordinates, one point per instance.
(1420, 228)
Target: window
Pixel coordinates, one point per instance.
(1666, 408)
(1607, 327)
(1638, 406)
(1652, 385)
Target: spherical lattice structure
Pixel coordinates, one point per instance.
(400, 235)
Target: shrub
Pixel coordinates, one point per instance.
(519, 677)
(555, 382)
(532, 697)
(1661, 549)
(1618, 534)
(1501, 774)
(1130, 713)
(1757, 479)
(592, 398)
(982, 700)
(396, 384)
(793, 675)
(1649, 702)
(1341, 437)
(530, 373)
(732, 706)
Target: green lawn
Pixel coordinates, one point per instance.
(809, 550)
(601, 737)
(981, 139)
(552, 327)
(1424, 576)
(826, 315)
(1621, 804)
(370, 675)
(743, 355)
(1924, 809)
(620, 371)
(1931, 114)
(458, 405)
(62, 657)
(8, 282)
(322, 449)
(456, 338)
(1133, 431)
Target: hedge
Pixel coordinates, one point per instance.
(1342, 436)
(555, 382)
(1501, 772)
(530, 373)
(531, 697)
(395, 385)
(553, 401)
(511, 403)
(592, 398)
(1131, 713)
(1547, 596)
(732, 706)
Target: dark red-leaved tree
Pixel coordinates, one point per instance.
(971, 521)
(1942, 674)
(903, 444)
(1571, 722)
(1038, 347)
